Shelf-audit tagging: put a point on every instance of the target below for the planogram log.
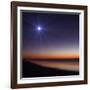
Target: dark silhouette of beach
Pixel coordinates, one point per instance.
(30, 69)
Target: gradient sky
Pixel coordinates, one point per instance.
(59, 34)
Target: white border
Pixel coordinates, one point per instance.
(81, 50)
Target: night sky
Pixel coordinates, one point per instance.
(50, 34)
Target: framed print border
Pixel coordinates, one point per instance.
(14, 43)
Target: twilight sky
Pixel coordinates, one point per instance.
(50, 34)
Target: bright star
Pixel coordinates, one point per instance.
(39, 28)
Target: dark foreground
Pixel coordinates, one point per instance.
(33, 70)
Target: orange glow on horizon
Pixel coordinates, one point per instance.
(51, 56)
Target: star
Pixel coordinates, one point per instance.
(39, 28)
